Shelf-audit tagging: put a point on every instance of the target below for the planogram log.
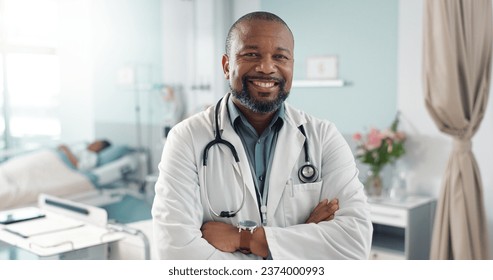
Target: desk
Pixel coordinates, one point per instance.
(11, 252)
(402, 228)
(68, 230)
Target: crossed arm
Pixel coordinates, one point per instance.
(226, 237)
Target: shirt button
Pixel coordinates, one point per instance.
(261, 178)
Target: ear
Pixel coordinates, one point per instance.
(225, 63)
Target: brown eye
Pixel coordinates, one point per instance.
(280, 56)
(251, 55)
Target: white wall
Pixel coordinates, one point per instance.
(193, 44)
(242, 7)
(428, 148)
(76, 71)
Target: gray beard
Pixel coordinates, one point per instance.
(257, 106)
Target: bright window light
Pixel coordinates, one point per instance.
(29, 31)
(33, 80)
(33, 126)
(31, 22)
(2, 119)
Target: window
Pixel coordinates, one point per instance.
(30, 73)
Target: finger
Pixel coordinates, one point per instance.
(316, 217)
(333, 202)
(320, 205)
(332, 208)
(321, 215)
(323, 210)
(324, 213)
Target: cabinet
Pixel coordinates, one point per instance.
(402, 228)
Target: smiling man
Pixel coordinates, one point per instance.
(254, 178)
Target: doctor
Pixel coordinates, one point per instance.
(254, 178)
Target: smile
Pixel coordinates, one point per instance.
(266, 85)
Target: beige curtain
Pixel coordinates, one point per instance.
(457, 59)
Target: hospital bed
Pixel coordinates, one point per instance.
(24, 177)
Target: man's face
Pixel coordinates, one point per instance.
(95, 146)
(259, 66)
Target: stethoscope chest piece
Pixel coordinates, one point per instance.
(308, 173)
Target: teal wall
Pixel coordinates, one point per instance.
(363, 34)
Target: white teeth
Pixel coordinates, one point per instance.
(264, 84)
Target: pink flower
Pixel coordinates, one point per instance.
(374, 139)
(380, 147)
(357, 136)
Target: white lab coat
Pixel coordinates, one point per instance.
(180, 208)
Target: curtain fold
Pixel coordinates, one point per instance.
(456, 78)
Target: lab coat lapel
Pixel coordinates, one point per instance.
(288, 148)
(228, 134)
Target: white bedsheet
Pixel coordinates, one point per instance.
(24, 177)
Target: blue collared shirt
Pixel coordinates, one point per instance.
(259, 148)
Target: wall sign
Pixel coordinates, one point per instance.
(322, 68)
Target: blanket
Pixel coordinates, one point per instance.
(24, 177)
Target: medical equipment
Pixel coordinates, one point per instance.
(219, 140)
(307, 173)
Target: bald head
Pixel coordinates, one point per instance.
(266, 16)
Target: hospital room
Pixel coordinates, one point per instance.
(112, 121)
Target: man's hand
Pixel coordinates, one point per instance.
(224, 237)
(324, 211)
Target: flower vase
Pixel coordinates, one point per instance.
(397, 189)
(374, 183)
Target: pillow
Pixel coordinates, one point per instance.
(112, 153)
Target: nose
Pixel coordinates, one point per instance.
(266, 66)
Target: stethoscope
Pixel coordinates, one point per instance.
(307, 173)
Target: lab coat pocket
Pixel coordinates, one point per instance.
(299, 201)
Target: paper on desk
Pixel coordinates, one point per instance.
(49, 224)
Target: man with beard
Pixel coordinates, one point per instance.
(254, 178)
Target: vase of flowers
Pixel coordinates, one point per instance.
(373, 183)
(378, 148)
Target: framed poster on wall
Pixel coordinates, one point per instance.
(322, 67)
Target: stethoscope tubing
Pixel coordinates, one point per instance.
(306, 168)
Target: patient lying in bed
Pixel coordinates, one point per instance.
(84, 158)
(24, 177)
